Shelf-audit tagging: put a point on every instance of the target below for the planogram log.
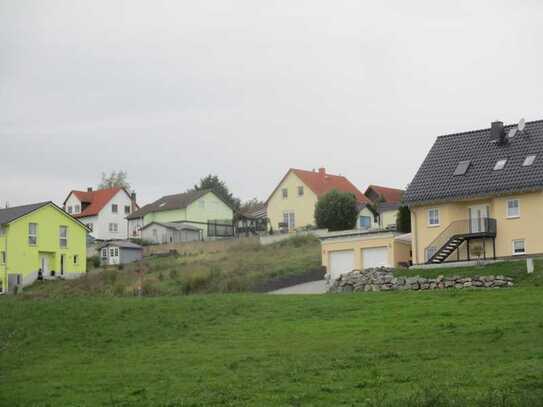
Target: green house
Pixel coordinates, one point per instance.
(40, 241)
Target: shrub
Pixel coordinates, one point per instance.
(403, 220)
(336, 211)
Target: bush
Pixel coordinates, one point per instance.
(336, 211)
(93, 262)
(403, 220)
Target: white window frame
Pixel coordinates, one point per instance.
(429, 218)
(70, 209)
(127, 209)
(360, 222)
(507, 214)
(301, 190)
(523, 242)
(113, 227)
(284, 193)
(114, 208)
(500, 164)
(77, 209)
(104, 253)
(116, 251)
(64, 238)
(529, 160)
(33, 235)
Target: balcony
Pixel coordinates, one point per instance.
(459, 232)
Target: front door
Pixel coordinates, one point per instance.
(44, 265)
(477, 218)
(114, 255)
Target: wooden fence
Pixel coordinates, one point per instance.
(208, 246)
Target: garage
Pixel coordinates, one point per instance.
(341, 262)
(350, 250)
(375, 257)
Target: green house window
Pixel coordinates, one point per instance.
(33, 234)
(63, 236)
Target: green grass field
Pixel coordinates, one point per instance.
(441, 348)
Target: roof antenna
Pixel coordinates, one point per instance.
(519, 128)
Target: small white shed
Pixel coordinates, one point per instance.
(120, 252)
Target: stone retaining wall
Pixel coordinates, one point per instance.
(383, 279)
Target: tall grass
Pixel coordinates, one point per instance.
(235, 270)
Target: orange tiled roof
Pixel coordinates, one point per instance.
(97, 200)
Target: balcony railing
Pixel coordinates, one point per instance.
(465, 228)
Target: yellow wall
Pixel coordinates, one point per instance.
(388, 218)
(528, 226)
(302, 206)
(399, 251)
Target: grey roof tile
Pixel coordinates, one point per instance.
(435, 180)
(8, 215)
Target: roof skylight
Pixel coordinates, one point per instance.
(500, 164)
(529, 160)
(462, 167)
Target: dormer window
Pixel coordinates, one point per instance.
(529, 160)
(500, 164)
(462, 167)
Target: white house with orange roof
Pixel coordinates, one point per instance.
(103, 211)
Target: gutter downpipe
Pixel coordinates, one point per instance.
(414, 238)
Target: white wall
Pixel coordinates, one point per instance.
(100, 223)
(134, 228)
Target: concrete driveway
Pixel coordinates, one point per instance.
(314, 287)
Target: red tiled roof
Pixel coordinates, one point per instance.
(321, 183)
(388, 194)
(97, 200)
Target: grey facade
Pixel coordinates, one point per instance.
(174, 232)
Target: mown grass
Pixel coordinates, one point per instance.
(440, 348)
(234, 270)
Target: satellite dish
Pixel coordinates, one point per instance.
(521, 125)
(512, 132)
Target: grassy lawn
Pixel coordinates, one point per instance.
(234, 270)
(441, 348)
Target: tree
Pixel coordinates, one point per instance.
(403, 220)
(336, 211)
(251, 204)
(218, 186)
(117, 179)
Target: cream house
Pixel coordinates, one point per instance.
(479, 194)
(292, 202)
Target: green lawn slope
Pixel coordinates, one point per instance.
(432, 348)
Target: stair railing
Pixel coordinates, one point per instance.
(462, 227)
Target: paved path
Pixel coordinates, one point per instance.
(314, 287)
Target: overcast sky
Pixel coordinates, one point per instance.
(173, 90)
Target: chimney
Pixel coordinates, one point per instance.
(134, 204)
(89, 189)
(497, 132)
(322, 171)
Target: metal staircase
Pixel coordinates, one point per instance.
(459, 232)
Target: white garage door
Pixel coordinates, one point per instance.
(341, 262)
(375, 257)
